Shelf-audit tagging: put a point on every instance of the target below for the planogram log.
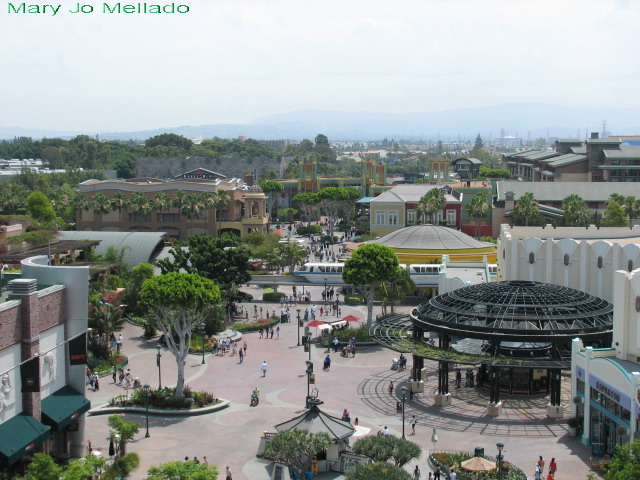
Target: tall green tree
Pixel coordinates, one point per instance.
(39, 207)
(306, 202)
(271, 188)
(108, 318)
(188, 470)
(614, 215)
(123, 430)
(333, 200)
(630, 205)
(295, 448)
(526, 210)
(370, 266)
(625, 463)
(395, 289)
(576, 213)
(382, 448)
(431, 203)
(290, 254)
(223, 259)
(180, 302)
(478, 208)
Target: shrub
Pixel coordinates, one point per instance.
(361, 333)
(269, 295)
(163, 398)
(354, 299)
(310, 230)
(122, 467)
(253, 326)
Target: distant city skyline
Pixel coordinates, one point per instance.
(231, 61)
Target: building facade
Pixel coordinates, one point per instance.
(42, 401)
(466, 168)
(244, 212)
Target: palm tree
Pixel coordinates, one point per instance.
(208, 201)
(395, 289)
(161, 201)
(108, 318)
(13, 198)
(431, 202)
(101, 205)
(80, 202)
(140, 205)
(191, 208)
(575, 211)
(178, 199)
(478, 208)
(526, 209)
(120, 202)
(629, 204)
(222, 201)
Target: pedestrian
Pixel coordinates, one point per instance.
(114, 374)
(96, 382)
(327, 362)
(195, 459)
(260, 332)
(413, 425)
(436, 474)
(541, 465)
(385, 431)
(241, 355)
(278, 332)
(458, 378)
(228, 473)
(537, 475)
(552, 466)
(356, 422)
(416, 473)
(88, 374)
(430, 476)
(271, 332)
(244, 347)
(264, 367)
(120, 342)
(120, 376)
(391, 388)
(453, 475)
(205, 461)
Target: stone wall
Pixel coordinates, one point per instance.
(232, 167)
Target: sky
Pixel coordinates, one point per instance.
(233, 61)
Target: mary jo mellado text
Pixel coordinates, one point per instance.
(50, 9)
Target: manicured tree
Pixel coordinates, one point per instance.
(188, 470)
(478, 208)
(431, 203)
(126, 431)
(271, 188)
(179, 302)
(306, 202)
(575, 211)
(43, 467)
(376, 471)
(295, 448)
(382, 448)
(614, 215)
(39, 207)
(526, 210)
(625, 463)
(288, 214)
(369, 267)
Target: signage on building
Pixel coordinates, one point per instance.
(610, 392)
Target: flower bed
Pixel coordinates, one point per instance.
(105, 366)
(361, 333)
(246, 327)
(163, 399)
(446, 461)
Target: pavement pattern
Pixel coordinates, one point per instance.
(360, 384)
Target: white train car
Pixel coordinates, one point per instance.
(319, 272)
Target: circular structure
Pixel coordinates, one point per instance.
(424, 243)
(517, 311)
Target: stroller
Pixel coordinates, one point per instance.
(395, 363)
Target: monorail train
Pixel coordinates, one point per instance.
(318, 272)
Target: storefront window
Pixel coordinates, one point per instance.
(580, 387)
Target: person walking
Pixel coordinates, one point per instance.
(552, 466)
(414, 422)
(264, 367)
(391, 388)
(114, 375)
(228, 475)
(537, 475)
(241, 355)
(416, 473)
(453, 475)
(120, 342)
(96, 382)
(244, 347)
(278, 332)
(541, 465)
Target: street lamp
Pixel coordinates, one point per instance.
(403, 389)
(146, 389)
(202, 325)
(499, 457)
(309, 371)
(158, 356)
(298, 310)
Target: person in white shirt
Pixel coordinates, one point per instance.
(385, 431)
(453, 475)
(264, 367)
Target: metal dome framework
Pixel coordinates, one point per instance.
(517, 311)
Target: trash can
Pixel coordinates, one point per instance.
(479, 452)
(308, 475)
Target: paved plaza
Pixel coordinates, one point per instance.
(231, 436)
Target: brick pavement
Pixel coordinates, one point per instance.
(231, 436)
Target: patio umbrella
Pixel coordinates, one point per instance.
(279, 231)
(351, 318)
(315, 323)
(478, 464)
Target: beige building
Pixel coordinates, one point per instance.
(245, 212)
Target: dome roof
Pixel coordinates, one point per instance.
(431, 237)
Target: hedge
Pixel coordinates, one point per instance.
(246, 327)
(122, 467)
(269, 295)
(353, 299)
(310, 230)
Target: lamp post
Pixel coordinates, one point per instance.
(309, 371)
(499, 458)
(202, 331)
(403, 389)
(298, 310)
(147, 393)
(158, 356)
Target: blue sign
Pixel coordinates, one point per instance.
(608, 391)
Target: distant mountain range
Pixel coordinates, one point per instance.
(515, 119)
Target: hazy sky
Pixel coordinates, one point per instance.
(231, 61)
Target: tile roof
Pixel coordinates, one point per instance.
(410, 193)
(556, 192)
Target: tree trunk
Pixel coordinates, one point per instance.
(370, 307)
(180, 383)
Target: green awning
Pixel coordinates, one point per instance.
(62, 407)
(19, 436)
(364, 200)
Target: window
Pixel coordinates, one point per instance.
(393, 217)
(168, 217)
(137, 218)
(381, 218)
(411, 216)
(451, 217)
(437, 218)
